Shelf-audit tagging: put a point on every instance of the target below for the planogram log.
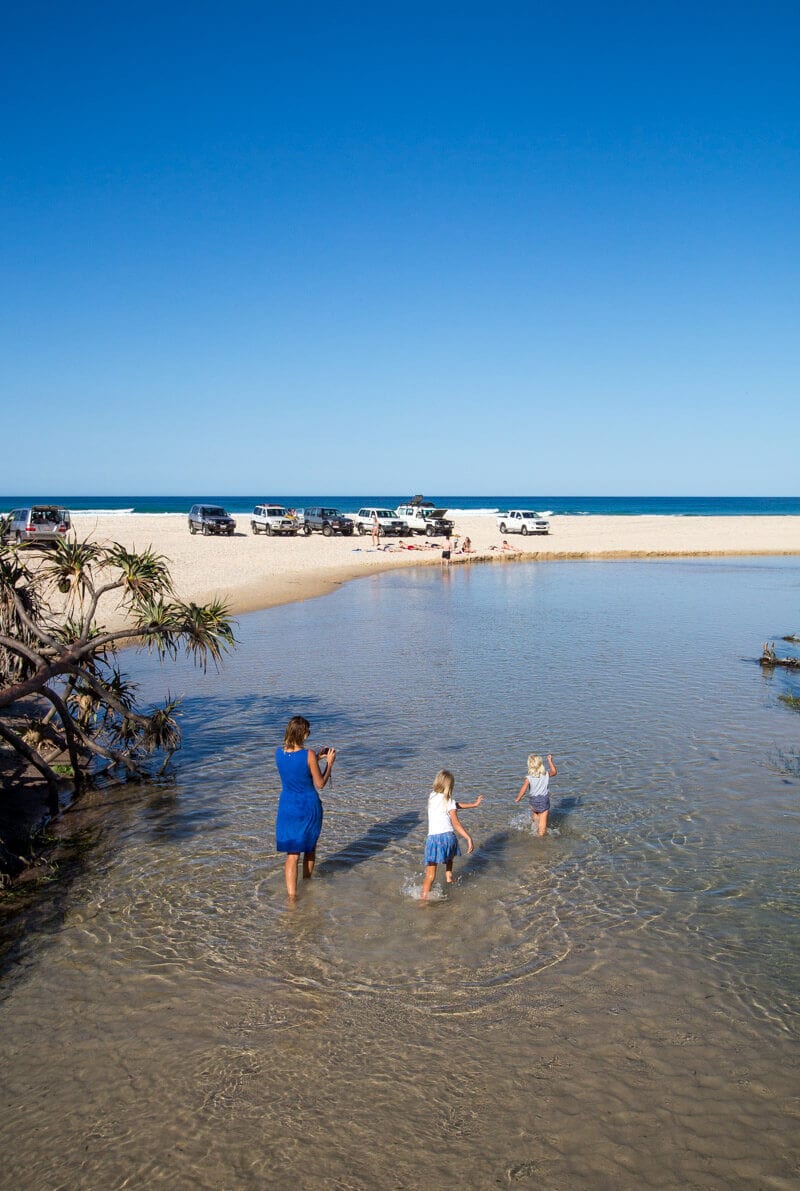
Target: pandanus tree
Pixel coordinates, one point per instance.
(64, 701)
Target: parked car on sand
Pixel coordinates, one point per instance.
(37, 524)
(522, 521)
(328, 521)
(207, 519)
(390, 523)
(425, 518)
(275, 519)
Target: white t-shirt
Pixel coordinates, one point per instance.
(537, 785)
(439, 807)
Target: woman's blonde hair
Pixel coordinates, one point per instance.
(443, 782)
(535, 765)
(296, 733)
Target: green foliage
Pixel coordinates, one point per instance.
(792, 701)
(53, 646)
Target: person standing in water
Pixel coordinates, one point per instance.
(537, 783)
(441, 846)
(299, 820)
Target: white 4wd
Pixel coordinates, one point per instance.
(522, 521)
(273, 519)
(425, 518)
(388, 521)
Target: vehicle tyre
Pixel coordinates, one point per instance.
(268, 530)
(361, 529)
(326, 530)
(502, 527)
(192, 528)
(18, 538)
(230, 533)
(348, 532)
(307, 530)
(206, 531)
(253, 527)
(524, 531)
(428, 531)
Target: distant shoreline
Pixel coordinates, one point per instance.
(253, 572)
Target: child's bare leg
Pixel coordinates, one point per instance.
(540, 821)
(427, 884)
(308, 863)
(290, 873)
(448, 871)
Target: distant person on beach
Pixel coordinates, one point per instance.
(466, 547)
(376, 529)
(537, 784)
(441, 846)
(299, 819)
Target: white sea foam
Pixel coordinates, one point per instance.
(473, 512)
(101, 512)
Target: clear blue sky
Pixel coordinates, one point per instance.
(474, 248)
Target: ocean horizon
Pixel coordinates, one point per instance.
(577, 506)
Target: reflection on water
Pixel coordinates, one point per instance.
(608, 1006)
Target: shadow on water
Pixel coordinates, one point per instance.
(486, 853)
(374, 840)
(252, 725)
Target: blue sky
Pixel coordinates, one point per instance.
(471, 249)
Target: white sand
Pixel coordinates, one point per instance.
(251, 572)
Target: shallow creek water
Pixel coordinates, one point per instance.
(612, 1006)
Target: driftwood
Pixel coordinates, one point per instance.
(770, 658)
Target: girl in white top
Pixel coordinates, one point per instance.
(537, 783)
(441, 846)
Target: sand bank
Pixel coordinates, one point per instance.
(252, 572)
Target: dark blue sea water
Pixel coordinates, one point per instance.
(615, 506)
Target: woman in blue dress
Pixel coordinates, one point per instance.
(299, 808)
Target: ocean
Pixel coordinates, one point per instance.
(614, 1005)
(608, 506)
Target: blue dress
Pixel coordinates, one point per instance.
(299, 819)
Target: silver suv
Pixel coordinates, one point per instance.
(37, 524)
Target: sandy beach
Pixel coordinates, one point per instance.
(251, 572)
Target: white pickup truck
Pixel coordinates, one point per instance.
(522, 521)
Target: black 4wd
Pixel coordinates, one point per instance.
(208, 519)
(329, 521)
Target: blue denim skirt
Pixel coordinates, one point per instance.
(439, 848)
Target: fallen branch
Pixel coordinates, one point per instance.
(770, 658)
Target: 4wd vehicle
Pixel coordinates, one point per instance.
(329, 521)
(271, 519)
(389, 522)
(210, 519)
(522, 521)
(423, 517)
(36, 524)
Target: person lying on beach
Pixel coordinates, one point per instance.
(537, 784)
(441, 846)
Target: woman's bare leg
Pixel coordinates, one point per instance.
(540, 822)
(448, 871)
(290, 873)
(430, 877)
(308, 863)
